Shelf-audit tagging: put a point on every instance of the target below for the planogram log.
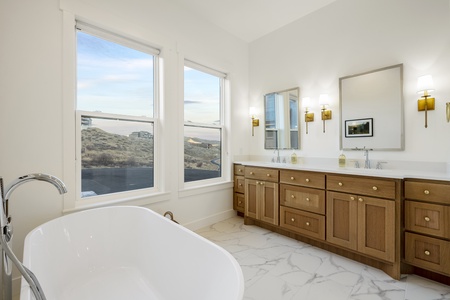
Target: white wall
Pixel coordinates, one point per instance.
(31, 95)
(350, 37)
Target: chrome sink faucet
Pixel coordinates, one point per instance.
(367, 161)
(6, 233)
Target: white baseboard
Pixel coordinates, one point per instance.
(195, 225)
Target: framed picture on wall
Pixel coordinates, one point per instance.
(359, 128)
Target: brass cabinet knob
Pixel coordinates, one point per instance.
(251, 173)
(240, 202)
(307, 180)
(268, 175)
(426, 192)
(340, 184)
(293, 220)
(427, 253)
(427, 219)
(307, 224)
(257, 182)
(240, 184)
(352, 198)
(374, 188)
(292, 177)
(307, 199)
(360, 199)
(292, 196)
(261, 183)
(239, 170)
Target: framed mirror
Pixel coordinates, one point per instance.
(371, 106)
(282, 124)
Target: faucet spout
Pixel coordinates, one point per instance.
(35, 176)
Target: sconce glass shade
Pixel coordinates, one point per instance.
(306, 102)
(324, 100)
(425, 84)
(252, 111)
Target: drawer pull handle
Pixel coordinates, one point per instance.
(340, 184)
(251, 173)
(426, 192)
(352, 198)
(374, 188)
(292, 196)
(360, 199)
(427, 219)
(307, 180)
(427, 253)
(307, 224)
(292, 178)
(268, 175)
(293, 220)
(307, 199)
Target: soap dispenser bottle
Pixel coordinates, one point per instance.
(294, 158)
(342, 160)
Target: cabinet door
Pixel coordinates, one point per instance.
(376, 227)
(251, 197)
(342, 219)
(269, 202)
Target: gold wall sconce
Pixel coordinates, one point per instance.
(447, 111)
(309, 116)
(324, 101)
(425, 103)
(255, 121)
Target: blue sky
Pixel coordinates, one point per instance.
(115, 79)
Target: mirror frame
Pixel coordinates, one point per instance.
(392, 111)
(297, 89)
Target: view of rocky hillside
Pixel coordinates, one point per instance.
(101, 149)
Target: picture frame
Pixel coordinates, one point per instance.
(359, 128)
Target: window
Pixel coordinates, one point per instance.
(115, 112)
(203, 122)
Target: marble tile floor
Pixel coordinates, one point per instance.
(276, 267)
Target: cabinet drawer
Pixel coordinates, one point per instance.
(239, 184)
(308, 179)
(427, 191)
(239, 170)
(383, 188)
(261, 174)
(303, 198)
(239, 202)
(432, 219)
(428, 253)
(305, 223)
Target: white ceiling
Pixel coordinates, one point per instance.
(252, 19)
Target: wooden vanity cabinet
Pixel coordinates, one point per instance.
(354, 216)
(358, 221)
(239, 189)
(261, 194)
(427, 224)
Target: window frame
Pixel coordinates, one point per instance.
(224, 176)
(123, 196)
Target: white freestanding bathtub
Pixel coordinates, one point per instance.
(127, 253)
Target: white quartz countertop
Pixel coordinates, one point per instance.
(387, 173)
